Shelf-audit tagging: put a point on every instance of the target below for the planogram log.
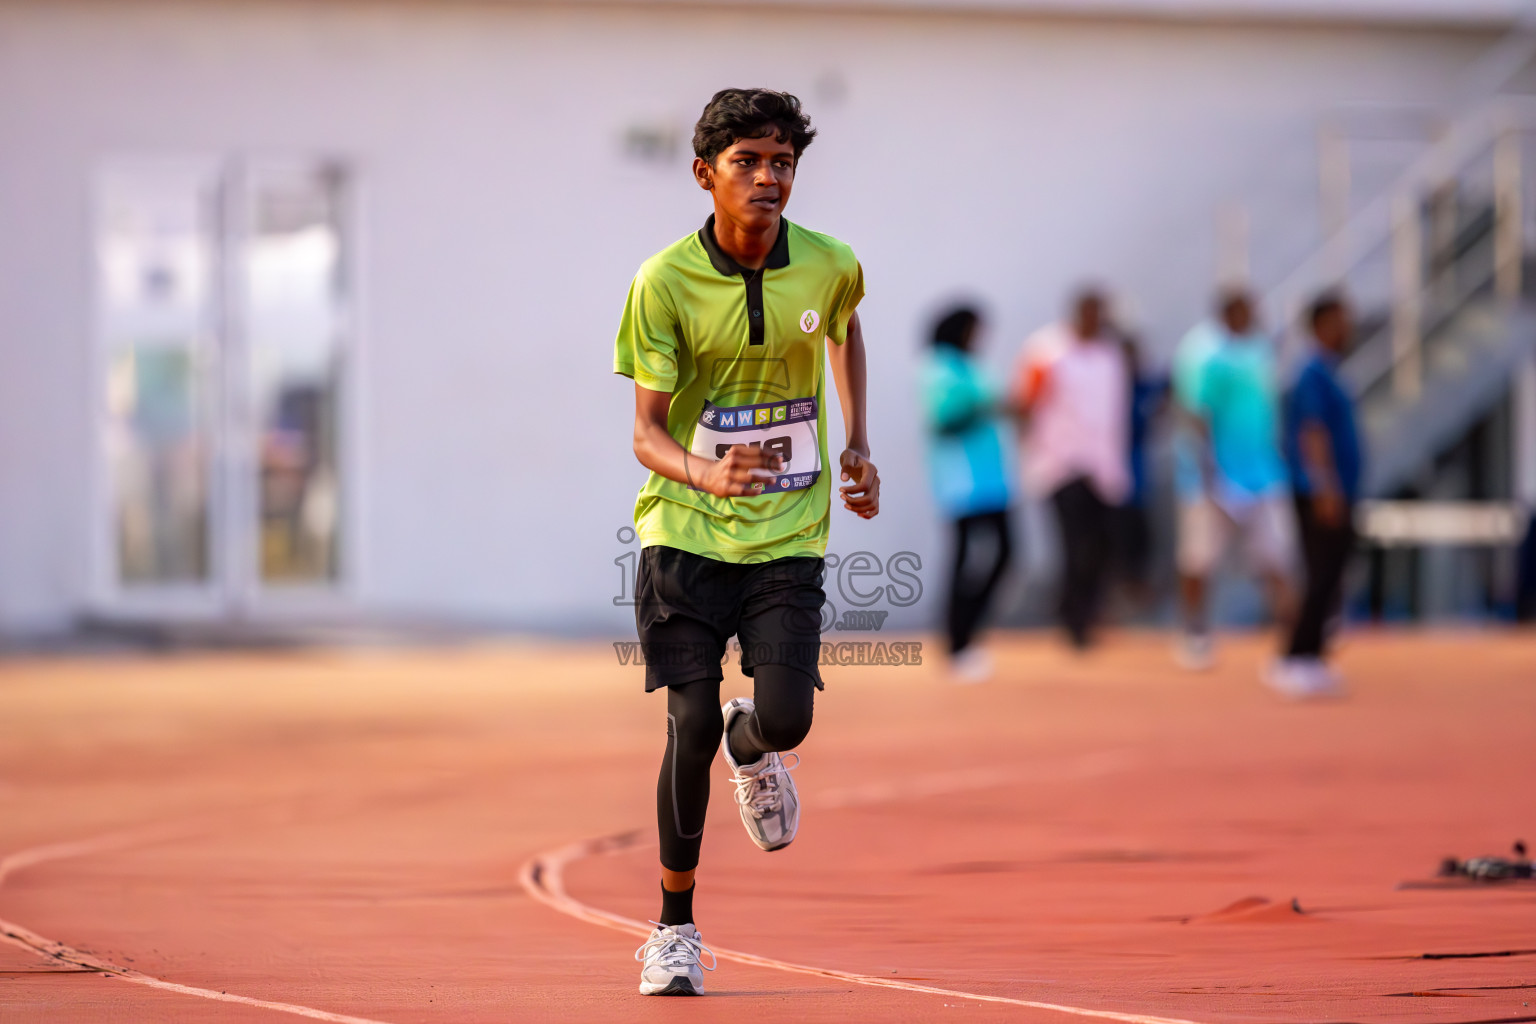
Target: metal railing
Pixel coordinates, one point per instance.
(1418, 523)
(1423, 295)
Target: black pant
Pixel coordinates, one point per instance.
(1084, 520)
(783, 695)
(1326, 550)
(1525, 587)
(1133, 543)
(971, 586)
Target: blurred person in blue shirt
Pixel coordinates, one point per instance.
(970, 462)
(1323, 452)
(1234, 482)
(1133, 538)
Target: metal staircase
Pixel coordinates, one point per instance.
(1438, 265)
(1468, 364)
(1441, 270)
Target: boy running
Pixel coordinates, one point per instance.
(722, 335)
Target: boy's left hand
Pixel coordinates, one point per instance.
(861, 494)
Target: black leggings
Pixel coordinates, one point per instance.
(782, 718)
(971, 586)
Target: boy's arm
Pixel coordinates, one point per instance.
(862, 492)
(1306, 407)
(1317, 455)
(1192, 409)
(738, 474)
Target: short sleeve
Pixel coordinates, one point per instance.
(1308, 403)
(848, 300)
(1205, 384)
(1188, 360)
(646, 347)
(1032, 373)
(1034, 381)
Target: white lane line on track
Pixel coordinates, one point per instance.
(59, 953)
(544, 878)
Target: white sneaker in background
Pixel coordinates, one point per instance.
(1303, 679)
(971, 666)
(1196, 652)
(765, 792)
(671, 961)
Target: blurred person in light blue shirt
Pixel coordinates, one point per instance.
(971, 467)
(1232, 478)
(1238, 397)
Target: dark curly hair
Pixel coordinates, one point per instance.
(1330, 301)
(956, 328)
(736, 114)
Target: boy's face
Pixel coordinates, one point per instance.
(1333, 329)
(1088, 317)
(1238, 316)
(751, 180)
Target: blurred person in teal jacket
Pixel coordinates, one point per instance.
(971, 465)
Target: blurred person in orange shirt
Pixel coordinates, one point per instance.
(1073, 386)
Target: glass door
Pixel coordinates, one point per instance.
(293, 302)
(223, 291)
(158, 322)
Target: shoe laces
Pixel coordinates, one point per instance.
(759, 789)
(670, 948)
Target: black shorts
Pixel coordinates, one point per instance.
(687, 607)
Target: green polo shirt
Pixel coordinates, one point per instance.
(741, 352)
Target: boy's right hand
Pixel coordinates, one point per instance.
(1330, 508)
(742, 472)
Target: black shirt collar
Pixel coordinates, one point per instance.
(778, 256)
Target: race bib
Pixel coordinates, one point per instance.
(786, 429)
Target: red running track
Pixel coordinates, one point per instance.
(460, 835)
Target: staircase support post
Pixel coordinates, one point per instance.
(1524, 395)
(1444, 212)
(1508, 240)
(1333, 181)
(1407, 292)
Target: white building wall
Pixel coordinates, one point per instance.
(1006, 157)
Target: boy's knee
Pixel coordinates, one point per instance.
(783, 728)
(695, 732)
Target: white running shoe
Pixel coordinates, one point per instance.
(1303, 679)
(765, 792)
(971, 666)
(1196, 652)
(672, 965)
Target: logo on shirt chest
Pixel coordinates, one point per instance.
(809, 320)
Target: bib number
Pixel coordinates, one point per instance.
(786, 429)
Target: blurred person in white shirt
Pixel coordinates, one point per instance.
(1074, 388)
